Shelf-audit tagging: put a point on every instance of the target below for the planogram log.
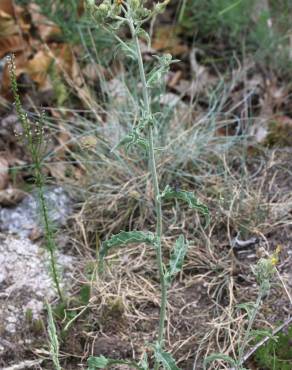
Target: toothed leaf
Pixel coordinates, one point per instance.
(129, 237)
(177, 258)
(99, 362)
(131, 139)
(219, 356)
(187, 197)
(165, 359)
(144, 35)
(124, 238)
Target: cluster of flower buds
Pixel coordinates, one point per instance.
(108, 10)
(264, 272)
(105, 11)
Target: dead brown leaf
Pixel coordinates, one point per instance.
(11, 196)
(46, 29)
(37, 67)
(4, 176)
(166, 39)
(7, 6)
(12, 44)
(8, 25)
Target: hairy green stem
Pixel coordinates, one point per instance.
(50, 243)
(247, 332)
(34, 142)
(153, 171)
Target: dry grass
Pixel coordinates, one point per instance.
(247, 191)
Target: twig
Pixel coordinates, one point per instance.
(263, 341)
(24, 365)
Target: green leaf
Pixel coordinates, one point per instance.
(165, 359)
(177, 258)
(144, 362)
(101, 362)
(53, 338)
(124, 238)
(131, 139)
(249, 307)
(97, 362)
(144, 35)
(157, 74)
(261, 333)
(218, 356)
(85, 293)
(188, 197)
(129, 237)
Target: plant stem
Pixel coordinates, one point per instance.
(247, 332)
(50, 244)
(153, 171)
(33, 143)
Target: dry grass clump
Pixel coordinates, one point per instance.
(203, 317)
(247, 192)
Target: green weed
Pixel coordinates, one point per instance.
(53, 339)
(276, 354)
(264, 272)
(132, 14)
(33, 136)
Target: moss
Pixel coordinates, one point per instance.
(112, 317)
(280, 133)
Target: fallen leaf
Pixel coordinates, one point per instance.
(46, 29)
(38, 67)
(166, 39)
(8, 25)
(7, 6)
(11, 196)
(12, 44)
(4, 176)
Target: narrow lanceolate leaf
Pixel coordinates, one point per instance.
(54, 343)
(124, 238)
(144, 362)
(219, 356)
(165, 359)
(176, 258)
(187, 197)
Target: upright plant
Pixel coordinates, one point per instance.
(264, 271)
(33, 136)
(112, 15)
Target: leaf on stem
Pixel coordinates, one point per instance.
(101, 362)
(219, 356)
(165, 359)
(53, 338)
(177, 258)
(144, 362)
(124, 238)
(144, 35)
(131, 139)
(188, 197)
(157, 74)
